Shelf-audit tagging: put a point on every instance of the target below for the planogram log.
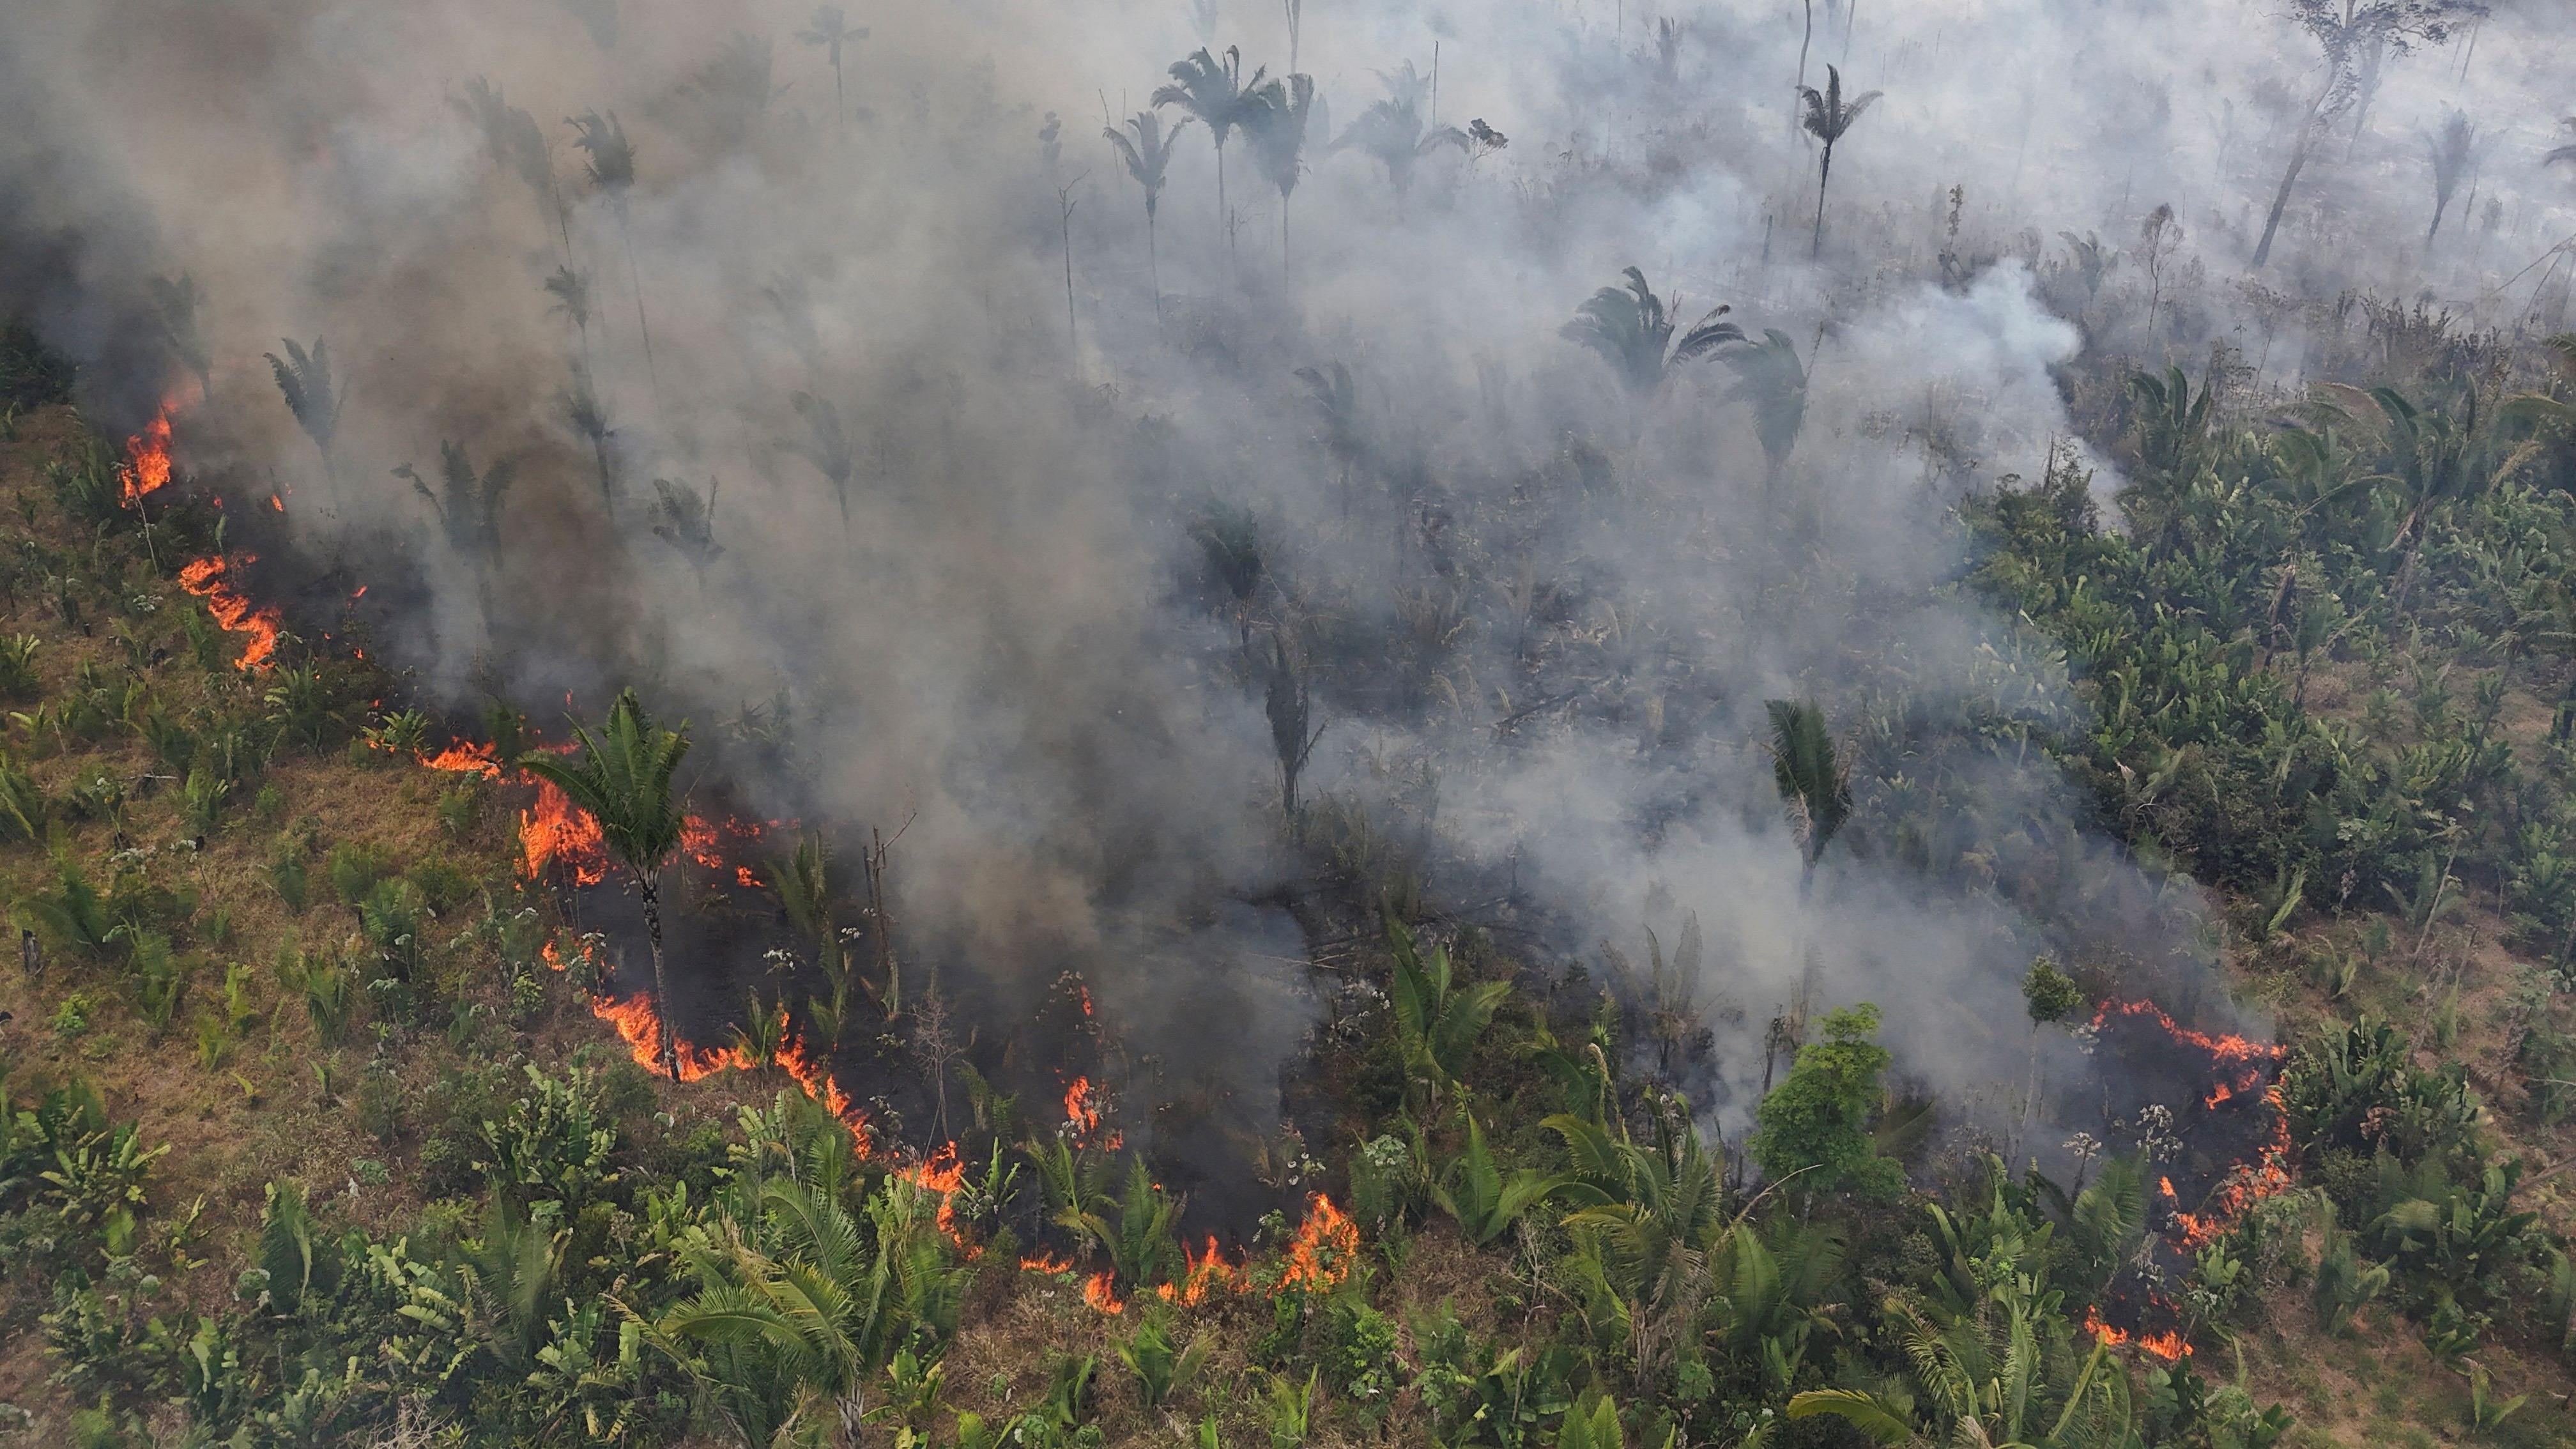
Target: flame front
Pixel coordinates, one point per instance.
(146, 469)
(1327, 1245)
(258, 627)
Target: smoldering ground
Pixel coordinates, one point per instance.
(869, 424)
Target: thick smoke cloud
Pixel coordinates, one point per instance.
(1539, 613)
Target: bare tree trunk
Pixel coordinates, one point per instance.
(1154, 268)
(1824, 175)
(669, 1043)
(2281, 198)
(2307, 139)
(1804, 41)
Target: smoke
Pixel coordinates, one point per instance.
(1536, 613)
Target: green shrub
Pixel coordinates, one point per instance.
(18, 679)
(353, 868)
(287, 875)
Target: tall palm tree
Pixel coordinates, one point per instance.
(1773, 382)
(612, 171)
(2452, 153)
(468, 504)
(1148, 158)
(582, 409)
(1828, 117)
(829, 451)
(831, 29)
(622, 776)
(1277, 120)
(305, 380)
(1393, 132)
(2353, 36)
(1337, 404)
(687, 523)
(1632, 331)
(511, 138)
(1213, 90)
(1811, 778)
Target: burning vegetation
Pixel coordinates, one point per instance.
(1390, 826)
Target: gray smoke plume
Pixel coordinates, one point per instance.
(899, 413)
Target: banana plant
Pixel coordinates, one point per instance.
(1438, 1020)
(1475, 1192)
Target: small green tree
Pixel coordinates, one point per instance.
(623, 777)
(1818, 1120)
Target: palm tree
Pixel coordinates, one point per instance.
(511, 138)
(1774, 383)
(794, 1325)
(1277, 120)
(582, 409)
(305, 380)
(1811, 779)
(1827, 118)
(2353, 35)
(175, 305)
(1149, 160)
(1658, 1216)
(612, 170)
(1632, 331)
(622, 776)
(2452, 153)
(1214, 92)
(830, 29)
(1393, 133)
(468, 506)
(1337, 403)
(1290, 705)
(830, 451)
(687, 523)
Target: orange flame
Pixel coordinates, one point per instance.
(942, 1174)
(2169, 1345)
(2249, 1183)
(1207, 1274)
(555, 830)
(1100, 1291)
(1046, 1263)
(146, 468)
(465, 758)
(1081, 1112)
(205, 580)
(1327, 1245)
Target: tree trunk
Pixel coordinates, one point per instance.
(1154, 268)
(1824, 176)
(2281, 199)
(2290, 178)
(1803, 42)
(1224, 212)
(669, 1043)
(635, 279)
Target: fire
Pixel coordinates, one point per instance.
(640, 1026)
(205, 580)
(277, 503)
(2268, 1175)
(146, 468)
(465, 758)
(743, 877)
(2218, 1094)
(1101, 1292)
(1046, 1263)
(1081, 1112)
(2168, 1345)
(554, 830)
(2232, 1049)
(942, 1174)
(1326, 1246)
(1207, 1274)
